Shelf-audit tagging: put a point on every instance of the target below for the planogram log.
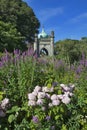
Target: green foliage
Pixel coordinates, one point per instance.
(19, 14)
(70, 50)
(20, 76)
(10, 38)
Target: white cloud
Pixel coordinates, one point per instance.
(48, 13)
(79, 18)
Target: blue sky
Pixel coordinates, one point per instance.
(68, 18)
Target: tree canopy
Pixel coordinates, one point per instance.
(71, 50)
(21, 18)
(10, 38)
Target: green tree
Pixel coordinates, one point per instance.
(10, 38)
(69, 50)
(21, 15)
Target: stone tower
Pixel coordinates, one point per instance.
(44, 44)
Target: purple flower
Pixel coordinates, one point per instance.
(86, 63)
(35, 119)
(82, 62)
(58, 64)
(16, 52)
(79, 69)
(1, 64)
(48, 118)
(72, 67)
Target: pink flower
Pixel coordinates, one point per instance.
(31, 103)
(31, 96)
(55, 102)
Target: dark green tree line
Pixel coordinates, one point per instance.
(71, 50)
(21, 16)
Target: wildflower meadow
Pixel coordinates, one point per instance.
(44, 93)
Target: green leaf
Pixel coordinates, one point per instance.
(14, 109)
(11, 118)
(57, 117)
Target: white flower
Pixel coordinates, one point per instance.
(72, 86)
(47, 89)
(68, 94)
(50, 104)
(62, 85)
(37, 89)
(52, 89)
(54, 97)
(55, 102)
(41, 94)
(43, 108)
(40, 102)
(4, 103)
(66, 100)
(60, 96)
(31, 96)
(35, 93)
(66, 89)
(31, 103)
(47, 95)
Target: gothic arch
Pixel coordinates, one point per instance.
(43, 51)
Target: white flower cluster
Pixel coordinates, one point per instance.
(3, 105)
(40, 94)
